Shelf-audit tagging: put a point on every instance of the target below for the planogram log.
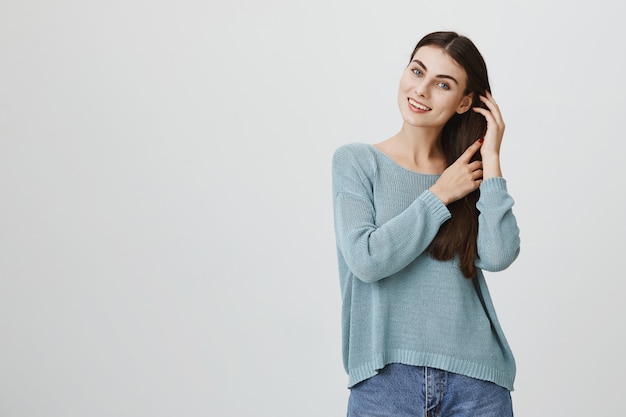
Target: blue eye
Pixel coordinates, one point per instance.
(417, 71)
(443, 86)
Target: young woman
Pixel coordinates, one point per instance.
(417, 218)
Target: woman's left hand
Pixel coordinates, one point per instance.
(495, 127)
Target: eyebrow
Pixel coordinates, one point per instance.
(449, 77)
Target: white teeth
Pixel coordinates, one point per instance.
(419, 106)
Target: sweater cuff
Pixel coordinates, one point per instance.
(435, 206)
(493, 184)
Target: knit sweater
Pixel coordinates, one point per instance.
(400, 305)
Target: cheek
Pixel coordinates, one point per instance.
(405, 84)
(405, 89)
(402, 91)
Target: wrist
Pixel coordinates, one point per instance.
(491, 168)
(441, 196)
(489, 155)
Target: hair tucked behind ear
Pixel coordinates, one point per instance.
(458, 236)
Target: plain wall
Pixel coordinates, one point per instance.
(166, 241)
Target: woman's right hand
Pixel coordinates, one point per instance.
(460, 178)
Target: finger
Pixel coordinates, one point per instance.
(492, 105)
(488, 99)
(477, 175)
(493, 117)
(471, 150)
(485, 112)
(475, 166)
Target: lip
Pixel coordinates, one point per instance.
(418, 109)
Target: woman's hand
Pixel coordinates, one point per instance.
(460, 178)
(490, 151)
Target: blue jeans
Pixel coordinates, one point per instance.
(402, 391)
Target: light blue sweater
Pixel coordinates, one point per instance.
(399, 304)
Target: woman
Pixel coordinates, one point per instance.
(417, 218)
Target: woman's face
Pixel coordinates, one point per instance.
(432, 89)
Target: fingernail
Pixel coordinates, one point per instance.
(481, 140)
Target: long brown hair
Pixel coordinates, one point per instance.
(458, 236)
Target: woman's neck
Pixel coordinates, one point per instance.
(416, 149)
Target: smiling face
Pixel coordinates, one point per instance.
(432, 89)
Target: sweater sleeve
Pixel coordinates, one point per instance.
(373, 252)
(498, 233)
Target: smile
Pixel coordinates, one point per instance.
(418, 105)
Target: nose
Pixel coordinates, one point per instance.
(421, 88)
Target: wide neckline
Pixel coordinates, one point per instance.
(393, 161)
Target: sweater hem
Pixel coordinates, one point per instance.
(431, 360)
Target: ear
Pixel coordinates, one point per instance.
(465, 104)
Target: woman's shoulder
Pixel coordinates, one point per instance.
(355, 153)
(355, 160)
(354, 163)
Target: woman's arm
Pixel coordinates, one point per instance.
(490, 151)
(373, 252)
(498, 233)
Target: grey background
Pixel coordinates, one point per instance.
(166, 242)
